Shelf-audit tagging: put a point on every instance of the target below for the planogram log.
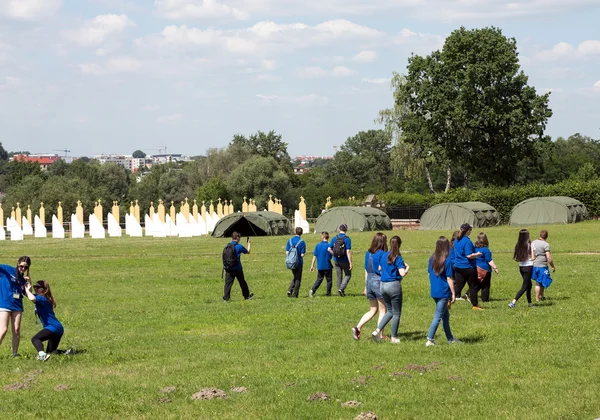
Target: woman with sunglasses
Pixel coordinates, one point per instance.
(12, 281)
(52, 330)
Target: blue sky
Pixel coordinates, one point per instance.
(113, 76)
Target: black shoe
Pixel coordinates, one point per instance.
(289, 293)
(341, 293)
(250, 296)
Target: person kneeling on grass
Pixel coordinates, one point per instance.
(442, 289)
(44, 308)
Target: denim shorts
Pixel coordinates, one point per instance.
(373, 286)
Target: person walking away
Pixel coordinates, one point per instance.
(373, 282)
(232, 265)
(12, 282)
(542, 259)
(485, 264)
(322, 257)
(340, 247)
(524, 256)
(294, 251)
(52, 330)
(393, 269)
(465, 271)
(441, 285)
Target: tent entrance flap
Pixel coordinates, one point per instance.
(245, 228)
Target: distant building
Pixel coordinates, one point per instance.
(160, 159)
(304, 164)
(44, 160)
(127, 161)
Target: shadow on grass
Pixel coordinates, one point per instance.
(472, 339)
(412, 335)
(556, 298)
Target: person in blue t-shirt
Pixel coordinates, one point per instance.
(392, 269)
(373, 282)
(238, 272)
(343, 263)
(465, 267)
(322, 257)
(484, 263)
(300, 246)
(53, 330)
(441, 285)
(12, 282)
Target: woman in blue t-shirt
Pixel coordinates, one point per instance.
(442, 289)
(485, 263)
(12, 281)
(392, 269)
(465, 268)
(372, 282)
(52, 330)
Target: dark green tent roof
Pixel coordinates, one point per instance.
(449, 216)
(259, 223)
(548, 210)
(358, 219)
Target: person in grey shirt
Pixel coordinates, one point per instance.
(542, 259)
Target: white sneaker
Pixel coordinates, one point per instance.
(395, 340)
(430, 343)
(460, 298)
(43, 357)
(310, 294)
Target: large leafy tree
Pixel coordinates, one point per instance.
(470, 103)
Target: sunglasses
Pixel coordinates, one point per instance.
(37, 287)
(24, 267)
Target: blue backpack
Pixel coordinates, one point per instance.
(292, 259)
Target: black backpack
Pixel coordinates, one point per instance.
(230, 258)
(339, 247)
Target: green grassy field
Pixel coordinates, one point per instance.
(148, 313)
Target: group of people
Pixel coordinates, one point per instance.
(454, 264)
(15, 283)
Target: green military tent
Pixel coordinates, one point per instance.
(257, 223)
(358, 219)
(547, 210)
(449, 216)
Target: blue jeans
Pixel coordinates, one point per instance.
(392, 296)
(373, 286)
(441, 313)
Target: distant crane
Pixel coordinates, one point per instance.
(162, 150)
(65, 150)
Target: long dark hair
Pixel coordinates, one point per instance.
(395, 243)
(379, 243)
(44, 290)
(440, 255)
(27, 260)
(482, 241)
(454, 236)
(523, 247)
(463, 230)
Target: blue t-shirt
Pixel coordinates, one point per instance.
(439, 283)
(239, 250)
(300, 246)
(347, 243)
(323, 256)
(11, 286)
(389, 272)
(462, 248)
(451, 256)
(45, 312)
(483, 261)
(375, 261)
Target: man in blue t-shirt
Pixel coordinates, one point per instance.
(238, 272)
(344, 261)
(324, 267)
(300, 245)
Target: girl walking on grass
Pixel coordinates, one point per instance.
(465, 267)
(541, 260)
(12, 281)
(393, 270)
(53, 330)
(373, 282)
(524, 256)
(442, 290)
(485, 264)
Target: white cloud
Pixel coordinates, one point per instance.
(262, 38)
(311, 72)
(122, 64)
(341, 71)
(29, 9)
(98, 30)
(564, 50)
(597, 85)
(10, 83)
(379, 81)
(366, 56)
(92, 68)
(268, 65)
(197, 9)
(165, 119)
(305, 99)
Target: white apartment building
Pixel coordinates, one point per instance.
(127, 161)
(159, 159)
